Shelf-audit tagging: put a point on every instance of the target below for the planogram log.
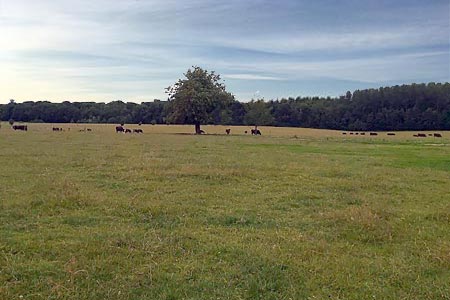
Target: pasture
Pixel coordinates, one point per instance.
(292, 214)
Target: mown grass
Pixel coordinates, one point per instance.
(99, 215)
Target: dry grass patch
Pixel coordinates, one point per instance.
(362, 223)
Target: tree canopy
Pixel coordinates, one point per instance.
(194, 99)
(405, 107)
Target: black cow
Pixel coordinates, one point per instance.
(256, 132)
(120, 129)
(344, 133)
(437, 135)
(391, 133)
(20, 127)
(228, 130)
(138, 131)
(363, 133)
(421, 135)
(127, 130)
(373, 133)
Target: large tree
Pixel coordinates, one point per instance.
(194, 99)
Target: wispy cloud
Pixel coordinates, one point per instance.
(348, 41)
(251, 77)
(104, 50)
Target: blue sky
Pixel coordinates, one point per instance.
(104, 50)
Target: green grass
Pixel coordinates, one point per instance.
(162, 216)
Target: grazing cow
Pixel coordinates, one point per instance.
(246, 132)
(120, 129)
(363, 133)
(89, 129)
(344, 133)
(228, 130)
(430, 134)
(421, 135)
(437, 135)
(373, 133)
(127, 130)
(55, 129)
(356, 133)
(256, 131)
(351, 133)
(414, 135)
(138, 131)
(391, 133)
(20, 127)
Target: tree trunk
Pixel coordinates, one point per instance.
(197, 128)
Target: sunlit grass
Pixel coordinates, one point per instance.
(296, 214)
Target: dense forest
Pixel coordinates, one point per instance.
(406, 107)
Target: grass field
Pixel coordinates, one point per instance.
(292, 214)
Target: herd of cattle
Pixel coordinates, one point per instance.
(68, 129)
(121, 129)
(392, 134)
(252, 131)
(424, 135)
(256, 131)
(127, 130)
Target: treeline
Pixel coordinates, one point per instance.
(406, 107)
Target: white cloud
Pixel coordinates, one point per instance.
(350, 41)
(378, 69)
(250, 77)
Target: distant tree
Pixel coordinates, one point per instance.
(225, 117)
(258, 113)
(348, 95)
(8, 110)
(194, 99)
(237, 113)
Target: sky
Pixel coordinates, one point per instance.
(131, 50)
